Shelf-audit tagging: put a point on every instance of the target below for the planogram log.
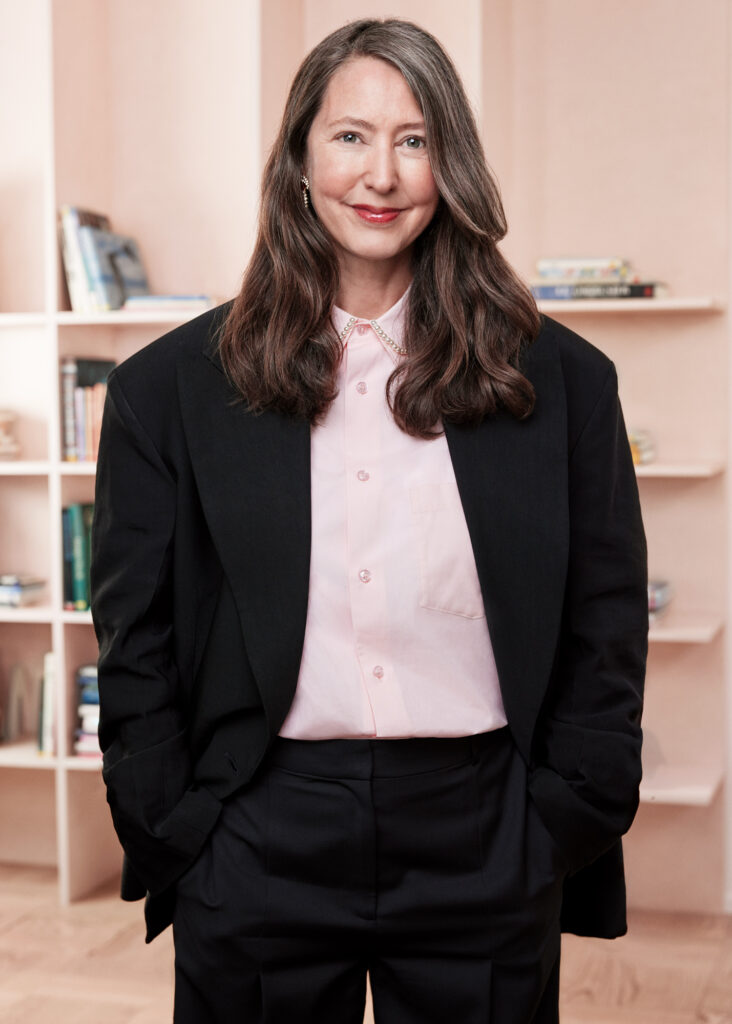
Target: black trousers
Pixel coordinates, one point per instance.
(422, 861)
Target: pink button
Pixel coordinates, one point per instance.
(362, 328)
(362, 387)
(362, 474)
(364, 575)
(378, 671)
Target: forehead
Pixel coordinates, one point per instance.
(367, 87)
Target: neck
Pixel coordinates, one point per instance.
(369, 288)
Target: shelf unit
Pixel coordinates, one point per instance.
(178, 114)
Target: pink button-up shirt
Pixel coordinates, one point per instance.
(396, 641)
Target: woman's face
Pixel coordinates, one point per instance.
(371, 183)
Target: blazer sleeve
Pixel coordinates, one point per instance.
(587, 769)
(161, 819)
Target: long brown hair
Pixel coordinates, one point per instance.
(468, 316)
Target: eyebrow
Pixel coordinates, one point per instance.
(358, 122)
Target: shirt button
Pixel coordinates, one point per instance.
(378, 671)
(364, 575)
(361, 387)
(362, 328)
(362, 474)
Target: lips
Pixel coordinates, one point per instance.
(377, 214)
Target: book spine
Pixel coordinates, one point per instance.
(648, 290)
(88, 424)
(99, 394)
(46, 744)
(73, 263)
(93, 269)
(80, 566)
(79, 417)
(68, 561)
(68, 384)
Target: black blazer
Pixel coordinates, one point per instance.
(200, 571)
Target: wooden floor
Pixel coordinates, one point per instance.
(88, 964)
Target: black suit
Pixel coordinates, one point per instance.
(200, 566)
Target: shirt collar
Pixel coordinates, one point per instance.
(391, 323)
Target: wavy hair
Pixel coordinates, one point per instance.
(468, 317)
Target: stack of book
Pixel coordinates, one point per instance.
(77, 523)
(83, 390)
(19, 589)
(104, 269)
(86, 739)
(594, 278)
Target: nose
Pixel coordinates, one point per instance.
(381, 172)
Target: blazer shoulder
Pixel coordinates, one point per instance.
(148, 378)
(585, 370)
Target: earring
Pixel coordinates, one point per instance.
(305, 193)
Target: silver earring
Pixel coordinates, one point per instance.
(305, 190)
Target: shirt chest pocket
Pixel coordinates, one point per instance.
(448, 577)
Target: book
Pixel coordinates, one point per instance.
(46, 721)
(600, 290)
(20, 589)
(68, 574)
(149, 303)
(71, 220)
(587, 268)
(114, 267)
(79, 532)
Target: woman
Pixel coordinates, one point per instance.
(369, 585)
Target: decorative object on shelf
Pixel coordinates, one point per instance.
(592, 278)
(76, 524)
(9, 447)
(21, 707)
(659, 598)
(642, 447)
(20, 589)
(83, 390)
(86, 738)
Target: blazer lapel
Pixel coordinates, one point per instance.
(512, 479)
(253, 475)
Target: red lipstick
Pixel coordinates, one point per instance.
(377, 214)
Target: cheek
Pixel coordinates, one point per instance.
(423, 189)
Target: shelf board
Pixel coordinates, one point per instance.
(28, 613)
(23, 320)
(685, 785)
(704, 304)
(24, 467)
(25, 754)
(76, 617)
(83, 763)
(685, 627)
(86, 467)
(117, 317)
(701, 468)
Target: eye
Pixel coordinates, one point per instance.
(347, 136)
(415, 142)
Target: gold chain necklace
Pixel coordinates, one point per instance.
(381, 333)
